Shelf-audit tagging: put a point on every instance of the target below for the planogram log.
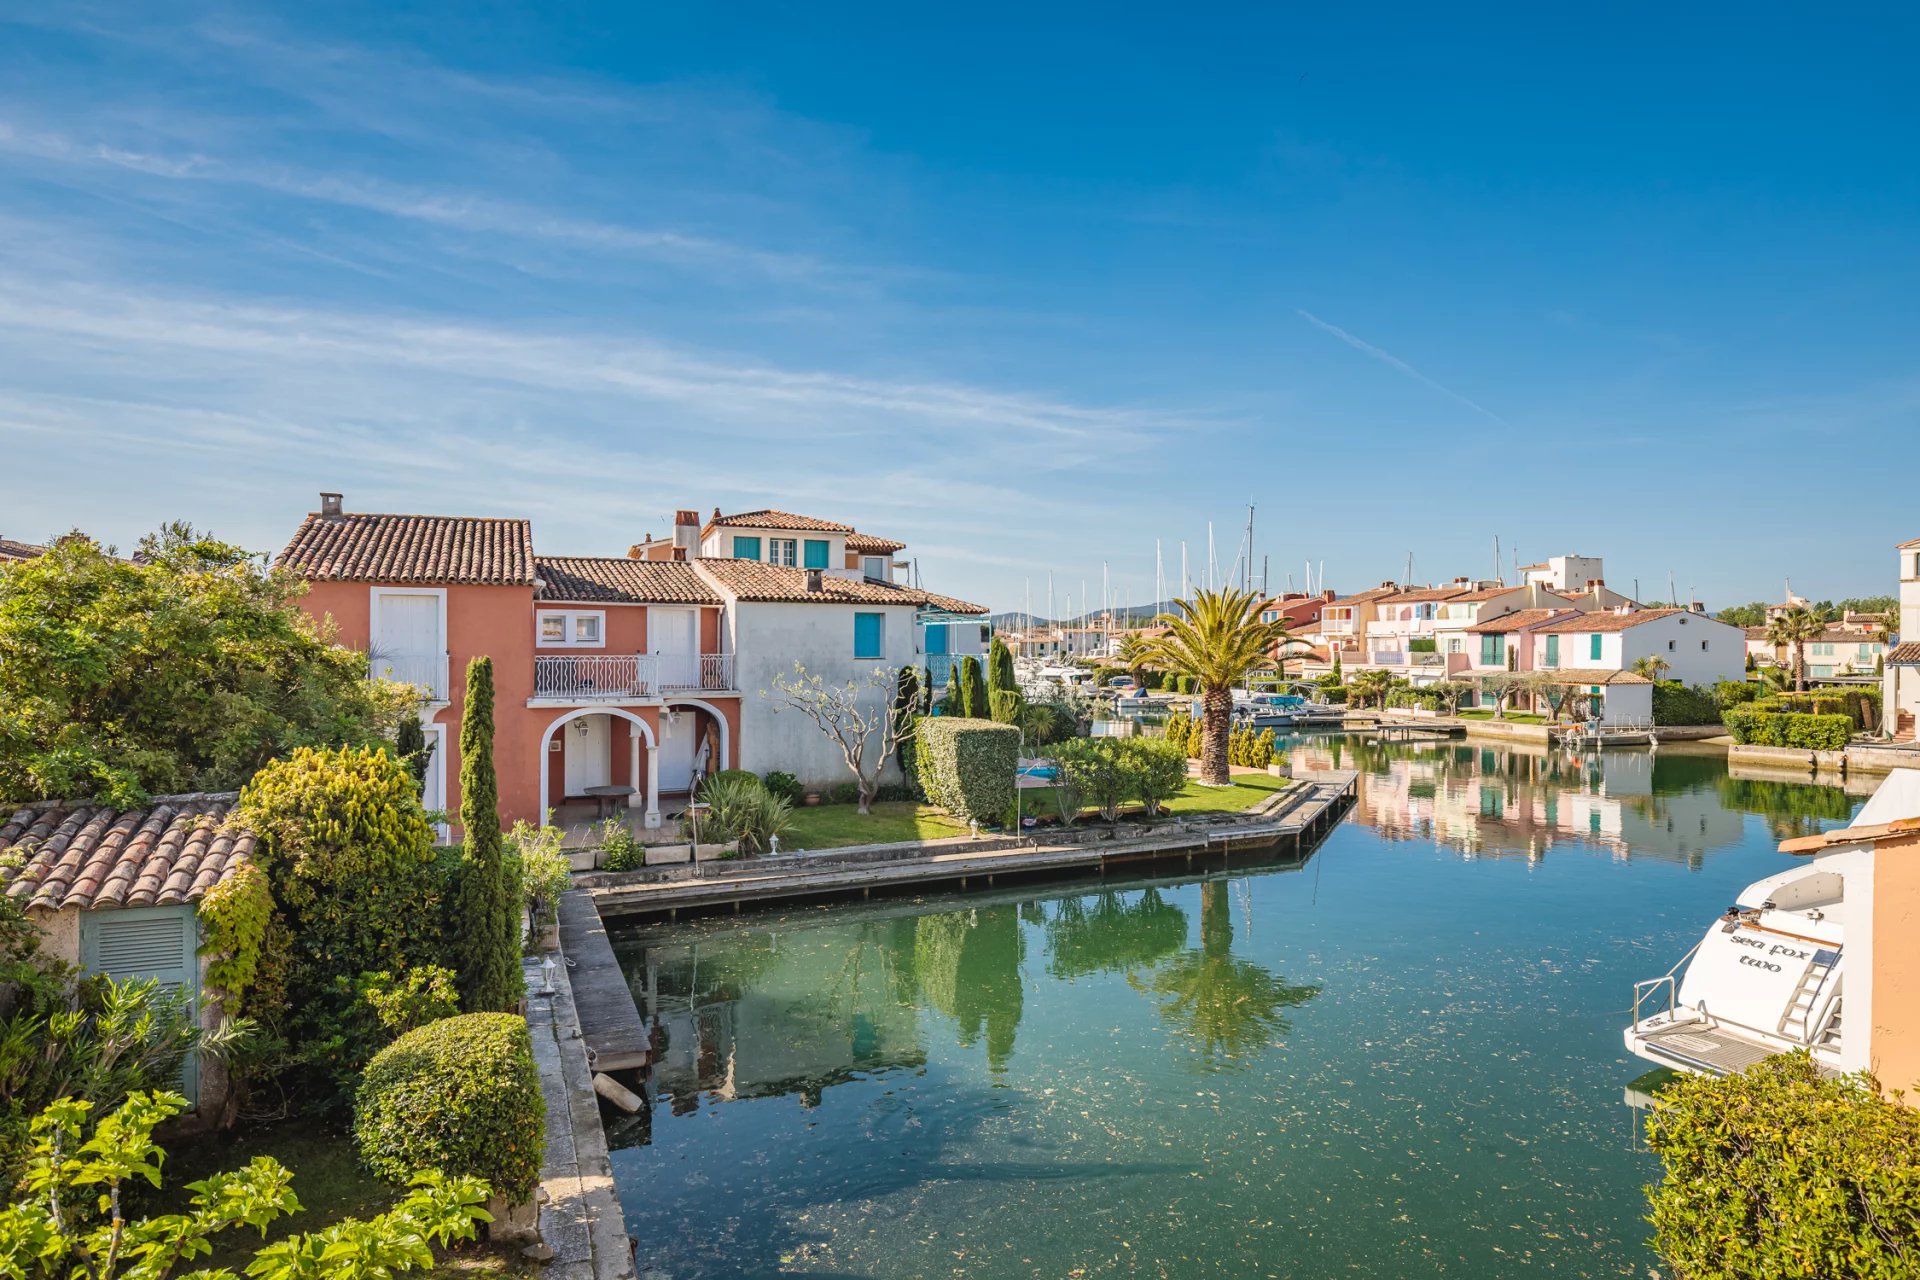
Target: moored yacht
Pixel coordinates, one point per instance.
(1793, 963)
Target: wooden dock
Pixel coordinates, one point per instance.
(1403, 731)
(610, 1022)
(1314, 810)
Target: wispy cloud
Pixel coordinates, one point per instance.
(1395, 362)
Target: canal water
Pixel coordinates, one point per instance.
(1401, 1058)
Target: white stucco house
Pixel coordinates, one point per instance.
(1900, 685)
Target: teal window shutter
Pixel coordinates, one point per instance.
(869, 635)
(1593, 650)
(1553, 651)
(746, 548)
(816, 553)
(138, 943)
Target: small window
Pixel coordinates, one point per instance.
(1703, 646)
(783, 552)
(1593, 649)
(553, 628)
(869, 635)
(586, 629)
(746, 548)
(572, 628)
(1670, 646)
(816, 551)
(874, 567)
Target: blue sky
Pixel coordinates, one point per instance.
(1026, 293)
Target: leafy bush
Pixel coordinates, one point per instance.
(71, 1220)
(1860, 704)
(718, 774)
(1761, 727)
(1734, 693)
(1423, 644)
(369, 1011)
(1676, 703)
(743, 810)
(1155, 768)
(786, 786)
(350, 862)
(535, 855)
(967, 766)
(1095, 770)
(619, 851)
(840, 793)
(461, 1095)
(1782, 1173)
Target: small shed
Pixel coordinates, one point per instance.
(115, 891)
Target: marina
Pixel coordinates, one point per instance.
(1430, 1005)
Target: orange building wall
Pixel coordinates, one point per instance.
(1896, 965)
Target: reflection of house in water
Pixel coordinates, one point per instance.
(1502, 801)
(754, 1014)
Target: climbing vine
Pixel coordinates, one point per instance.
(234, 916)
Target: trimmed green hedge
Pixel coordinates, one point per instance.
(1764, 728)
(1861, 704)
(1676, 703)
(1734, 693)
(461, 1095)
(966, 766)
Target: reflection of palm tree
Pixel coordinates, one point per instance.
(1230, 1006)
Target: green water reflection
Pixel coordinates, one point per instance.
(1401, 1059)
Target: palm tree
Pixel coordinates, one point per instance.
(1651, 667)
(1133, 654)
(1215, 638)
(1369, 687)
(1796, 627)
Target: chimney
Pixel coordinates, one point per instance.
(686, 530)
(815, 582)
(1698, 606)
(330, 505)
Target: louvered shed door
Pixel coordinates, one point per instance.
(148, 942)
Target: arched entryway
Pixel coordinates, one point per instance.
(596, 724)
(695, 739)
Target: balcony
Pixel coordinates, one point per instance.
(424, 671)
(630, 677)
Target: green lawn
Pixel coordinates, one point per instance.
(1512, 717)
(834, 826)
(328, 1178)
(1248, 790)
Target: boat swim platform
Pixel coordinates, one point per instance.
(1694, 1046)
(610, 1023)
(1289, 833)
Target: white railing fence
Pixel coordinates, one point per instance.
(425, 671)
(618, 677)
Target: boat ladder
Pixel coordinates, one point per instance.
(1801, 1018)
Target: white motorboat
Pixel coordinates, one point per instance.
(1780, 969)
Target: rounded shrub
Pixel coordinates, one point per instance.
(461, 1095)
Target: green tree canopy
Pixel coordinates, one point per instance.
(184, 669)
(1753, 614)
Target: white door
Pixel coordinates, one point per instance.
(406, 642)
(679, 736)
(675, 637)
(589, 755)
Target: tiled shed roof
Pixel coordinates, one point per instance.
(769, 518)
(458, 550)
(76, 854)
(1482, 594)
(1610, 621)
(11, 549)
(1423, 595)
(755, 581)
(867, 544)
(1904, 655)
(1519, 620)
(620, 580)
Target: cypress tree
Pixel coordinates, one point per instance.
(487, 910)
(1000, 667)
(973, 689)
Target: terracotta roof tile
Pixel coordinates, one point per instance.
(1907, 545)
(1611, 621)
(1423, 595)
(620, 580)
(1362, 597)
(465, 550)
(12, 550)
(754, 581)
(1519, 620)
(867, 544)
(75, 854)
(769, 518)
(1482, 594)
(1904, 655)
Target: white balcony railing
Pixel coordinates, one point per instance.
(425, 671)
(627, 677)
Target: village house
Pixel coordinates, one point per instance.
(1900, 685)
(618, 680)
(13, 550)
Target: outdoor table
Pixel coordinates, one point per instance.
(607, 799)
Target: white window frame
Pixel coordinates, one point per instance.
(573, 619)
(867, 564)
(773, 547)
